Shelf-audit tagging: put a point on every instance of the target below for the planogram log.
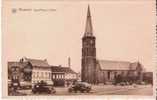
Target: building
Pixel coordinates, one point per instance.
(14, 70)
(40, 70)
(70, 76)
(61, 76)
(31, 70)
(14, 73)
(148, 77)
(18, 74)
(36, 70)
(103, 71)
(108, 70)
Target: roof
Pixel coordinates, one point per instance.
(89, 28)
(56, 69)
(13, 63)
(114, 65)
(62, 69)
(68, 70)
(38, 62)
(148, 74)
(133, 66)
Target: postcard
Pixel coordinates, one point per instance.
(78, 48)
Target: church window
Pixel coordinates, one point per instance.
(87, 53)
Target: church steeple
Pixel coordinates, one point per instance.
(88, 67)
(89, 28)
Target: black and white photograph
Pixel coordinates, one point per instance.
(78, 48)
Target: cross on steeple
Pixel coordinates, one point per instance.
(89, 28)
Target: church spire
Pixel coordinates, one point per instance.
(89, 28)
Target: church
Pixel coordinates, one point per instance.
(96, 71)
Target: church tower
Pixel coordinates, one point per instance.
(88, 71)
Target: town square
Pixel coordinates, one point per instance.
(118, 67)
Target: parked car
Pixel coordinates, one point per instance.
(43, 87)
(80, 86)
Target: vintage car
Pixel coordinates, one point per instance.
(43, 87)
(80, 86)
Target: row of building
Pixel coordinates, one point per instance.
(35, 70)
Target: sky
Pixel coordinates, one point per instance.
(124, 31)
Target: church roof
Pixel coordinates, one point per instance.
(114, 65)
(89, 28)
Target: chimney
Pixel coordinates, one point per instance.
(69, 62)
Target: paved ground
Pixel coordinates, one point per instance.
(125, 90)
(103, 90)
